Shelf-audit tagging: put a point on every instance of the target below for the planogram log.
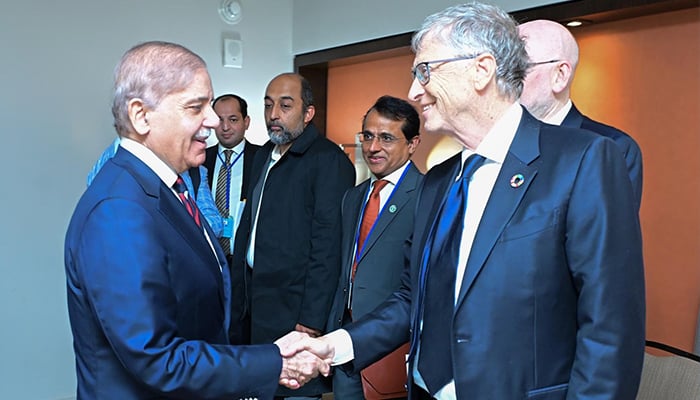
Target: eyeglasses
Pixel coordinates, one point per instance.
(422, 70)
(542, 62)
(385, 139)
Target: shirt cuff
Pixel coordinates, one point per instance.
(341, 341)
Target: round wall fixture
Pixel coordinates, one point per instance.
(230, 11)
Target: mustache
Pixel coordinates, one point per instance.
(202, 134)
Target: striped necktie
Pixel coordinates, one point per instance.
(187, 200)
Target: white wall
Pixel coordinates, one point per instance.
(320, 24)
(56, 63)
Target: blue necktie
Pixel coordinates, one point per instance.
(438, 274)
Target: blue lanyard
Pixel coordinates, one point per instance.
(228, 177)
(359, 250)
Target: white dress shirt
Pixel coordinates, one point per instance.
(275, 156)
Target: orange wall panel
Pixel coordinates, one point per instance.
(643, 76)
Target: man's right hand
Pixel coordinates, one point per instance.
(303, 358)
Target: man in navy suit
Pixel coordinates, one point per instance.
(372, 268)
(542, 273)
(148, 285)
(553, 53)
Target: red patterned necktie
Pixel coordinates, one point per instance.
(368, 218)
(187, 200)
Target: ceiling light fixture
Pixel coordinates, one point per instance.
(574, 23)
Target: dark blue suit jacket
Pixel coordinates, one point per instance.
(381, 264)
(629, 148)
(147, 299)
(552, 300)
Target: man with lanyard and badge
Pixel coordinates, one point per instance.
(229, 164)
(377, 219)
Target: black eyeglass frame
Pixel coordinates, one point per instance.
(426, 65)
(384, 139)
(533, 64)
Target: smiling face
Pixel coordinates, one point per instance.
(445, 99)
(385, 158)
(232, 124)
(179, 126)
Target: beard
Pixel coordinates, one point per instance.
(286, 135)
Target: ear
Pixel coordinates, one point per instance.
(137, 115)
(309, 114)
(485, 65)
(246, 121)
(413, 144)
(561, 76)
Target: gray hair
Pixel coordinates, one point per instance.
(150, 71)
(476, 28)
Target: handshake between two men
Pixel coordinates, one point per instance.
(303, 358)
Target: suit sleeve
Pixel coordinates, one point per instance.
(384, 329)
(333, 176)
(633, 158)
(603, 247)
(126, 278)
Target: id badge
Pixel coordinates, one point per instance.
(228, 227)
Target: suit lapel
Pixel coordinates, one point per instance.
(177, 216)
(504, 198)
(210, 162)
(434, 191)
(352, 204)
(398, 200)
(183, 223)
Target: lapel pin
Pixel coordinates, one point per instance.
(392, 208)
(517, 180)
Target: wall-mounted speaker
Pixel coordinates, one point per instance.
(233, 53)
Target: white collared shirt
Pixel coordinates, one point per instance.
(143, 153)
(275, 156)
(559, 117)
(164, 172)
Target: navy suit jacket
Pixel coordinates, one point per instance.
(551, 305)
(148, 300)
(381, 264)
(629, 148)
